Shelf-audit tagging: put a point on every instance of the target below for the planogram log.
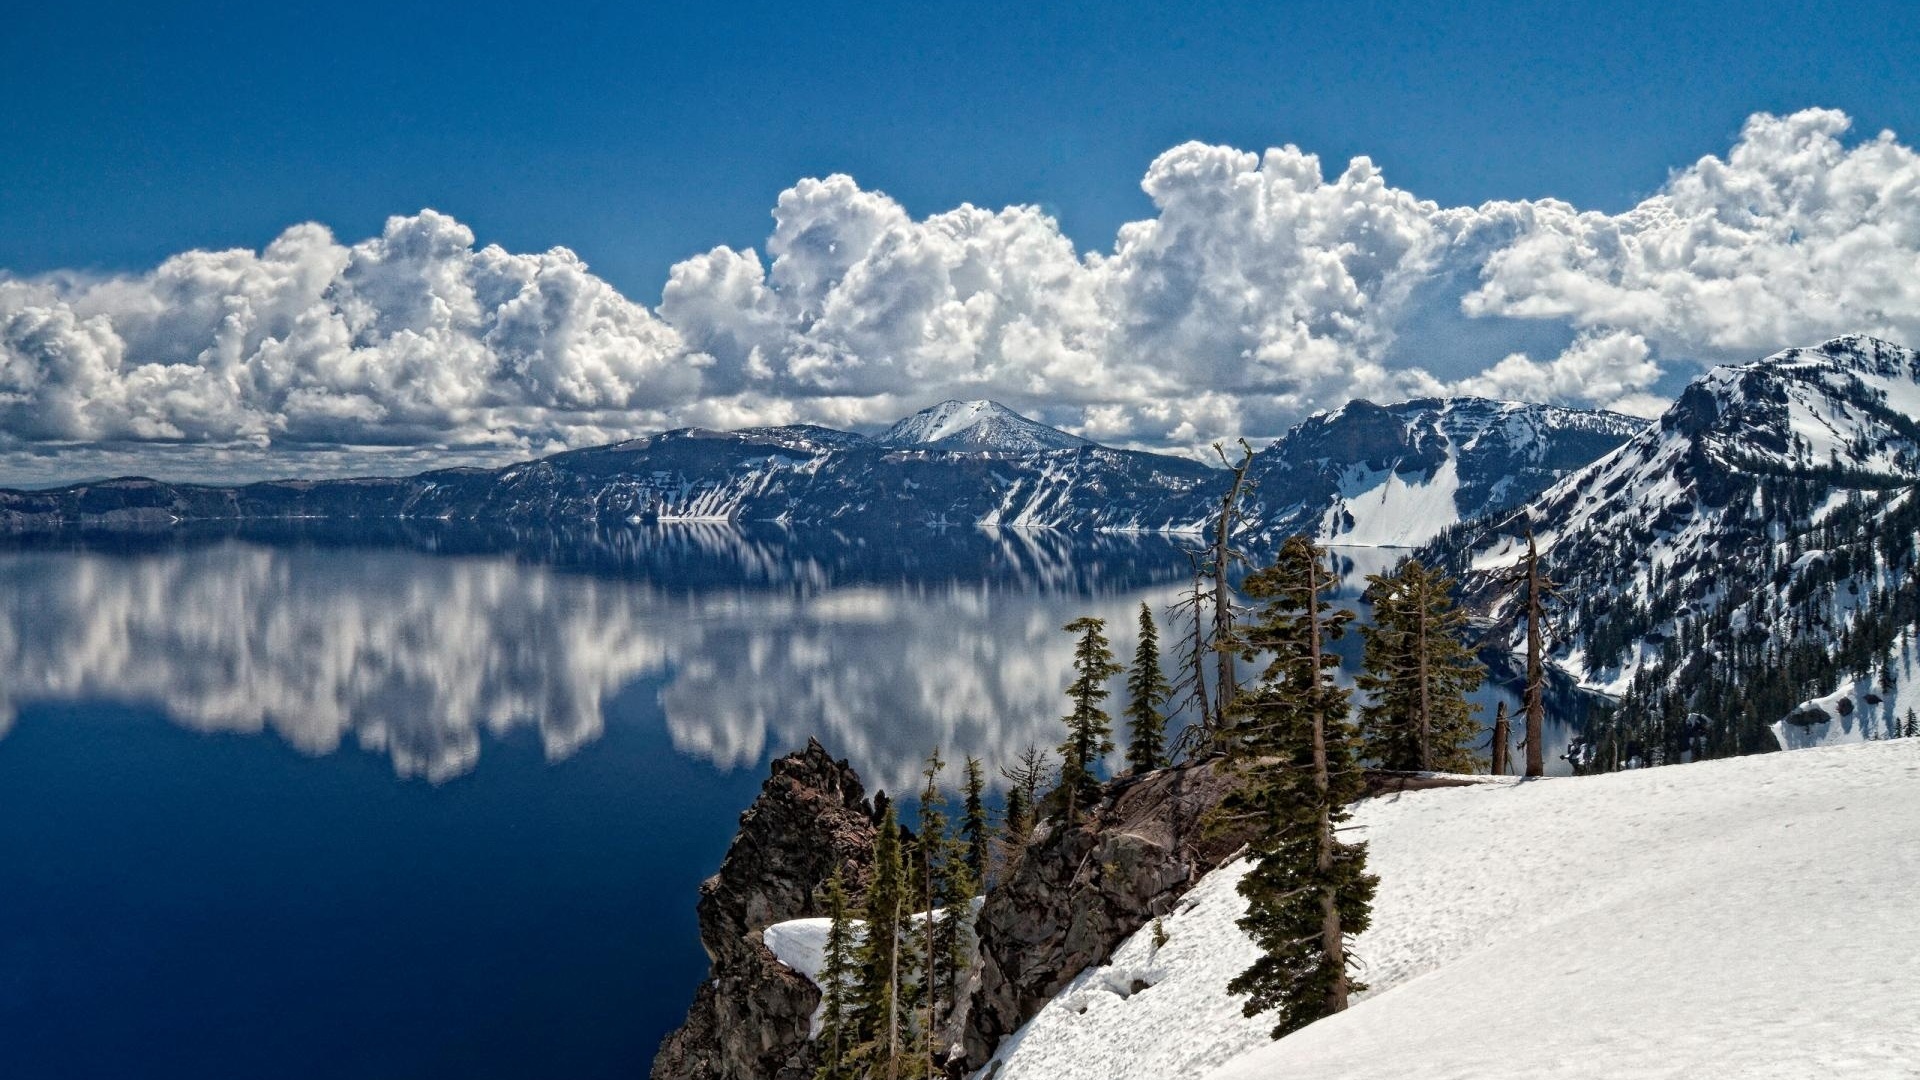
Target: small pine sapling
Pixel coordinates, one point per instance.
(1148, 692)
(1089, 728)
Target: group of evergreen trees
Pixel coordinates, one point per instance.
(1294, 745)
(1294, 742)
(1418, 674)
(1842, 603)
(892, 968)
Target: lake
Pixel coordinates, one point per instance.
(421, 803)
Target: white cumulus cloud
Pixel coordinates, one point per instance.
(412, 338)
(1791, 238)
(1615, 367)
(1260, 289)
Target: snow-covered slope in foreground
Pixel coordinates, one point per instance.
(1751, 917)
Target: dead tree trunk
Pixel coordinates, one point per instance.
(1332, 940)
(1222, 559)
(1502, 737)
(1535, 695)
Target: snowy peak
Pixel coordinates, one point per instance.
(1849, 404)
(977, 427)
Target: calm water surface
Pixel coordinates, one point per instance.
(437, 804)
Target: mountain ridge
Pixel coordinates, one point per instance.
(954, 464)
(1747, 554)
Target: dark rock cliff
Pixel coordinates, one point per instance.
(1079, 891)
(750, 1019)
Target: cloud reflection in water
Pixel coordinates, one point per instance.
(416, 655)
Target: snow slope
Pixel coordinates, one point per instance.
(1367, 475)
(1860, 709)
(1749, 917)
(1384, 509)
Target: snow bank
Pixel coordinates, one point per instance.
(1756, 917)
(1156, 1010)
(801, 944)
(1859, 709)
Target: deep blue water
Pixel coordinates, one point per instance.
(174, 904)
(323, 808)
(436, 805)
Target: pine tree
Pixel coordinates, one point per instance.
(953, 940)
(1147, 694)
(1089, 728)
(1292, 747)
(1190, 685)
(1418, 674)
(1911, 728)
(882, 967)
(934, 855)
(973, 826)
(1016, 821)
(1024, 779)
(836, 970)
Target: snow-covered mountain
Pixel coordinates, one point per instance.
(1364, 475)
(977, 426)
(1770, 510)
(803, 476)
(1371, 475)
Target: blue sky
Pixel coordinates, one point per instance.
(638, 134)
(1723, 189)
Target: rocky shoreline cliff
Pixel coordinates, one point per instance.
(1074, 895)
(752, 1015)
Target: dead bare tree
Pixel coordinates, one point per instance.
(1221, 558)
(1537, 589)
(1528, 586)
(1190, 682)
(1502, 735)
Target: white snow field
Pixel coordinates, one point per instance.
(1754, 917)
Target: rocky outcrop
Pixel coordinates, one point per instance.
(750, 1020)
(1081, 890)
(1074, 895)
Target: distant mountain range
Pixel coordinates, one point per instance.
(1365, 475)
(1745, 564)
(1369, 475)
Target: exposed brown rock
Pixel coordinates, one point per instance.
(750, 1019)
(1080, 890)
